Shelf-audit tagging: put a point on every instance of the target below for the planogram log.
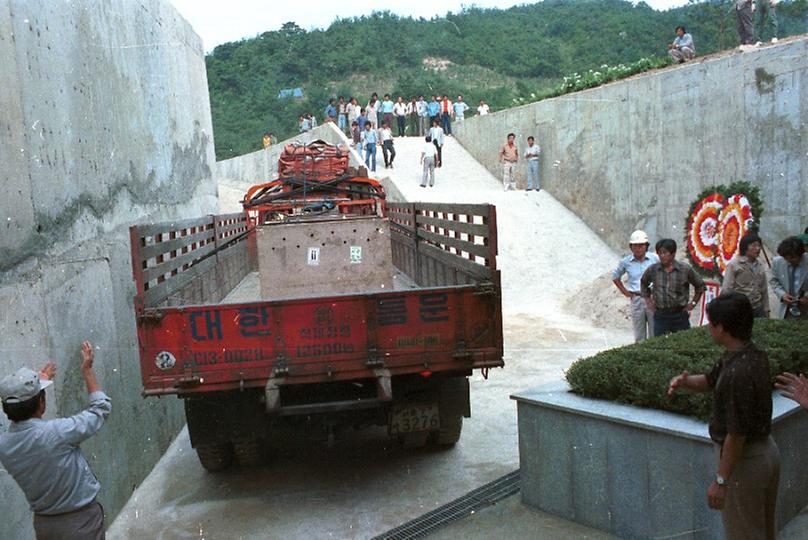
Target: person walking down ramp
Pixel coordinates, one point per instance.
(44, 456)
(428, 155)
(369, 140)
(436, 133)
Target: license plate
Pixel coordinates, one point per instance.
(409, 418)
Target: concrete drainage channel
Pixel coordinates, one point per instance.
(481, 497)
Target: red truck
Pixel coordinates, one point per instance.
(311, 307)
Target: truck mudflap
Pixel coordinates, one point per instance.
(195, 349)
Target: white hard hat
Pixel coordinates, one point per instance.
(638, 237)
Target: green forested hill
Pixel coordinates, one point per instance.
(492, 54)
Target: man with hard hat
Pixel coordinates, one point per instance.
(634, 266)
(44, 458)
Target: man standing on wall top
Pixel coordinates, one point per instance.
(682, 48)
(634, 266)
(767, 19)
(666, 288)
(745, 21)
(44, 457)
(508, 156)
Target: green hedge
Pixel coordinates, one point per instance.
(639, 374)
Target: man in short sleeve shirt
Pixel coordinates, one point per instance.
(634, 266)
(748, 472)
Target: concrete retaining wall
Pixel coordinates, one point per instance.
(636, 153)
(236, 175)
(637, 473)
(104, 122)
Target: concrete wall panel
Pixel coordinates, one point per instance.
(104, 122)
(635, 153)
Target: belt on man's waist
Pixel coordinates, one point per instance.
(635, 293)
(82, 509)
(670, 310)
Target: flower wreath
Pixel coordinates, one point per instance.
(718, 219)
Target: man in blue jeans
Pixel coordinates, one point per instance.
(532, 157)
(369, 140)
(666, 288)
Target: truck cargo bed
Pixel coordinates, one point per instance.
(203, 327)
(249, 289)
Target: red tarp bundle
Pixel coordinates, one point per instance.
(317, 160)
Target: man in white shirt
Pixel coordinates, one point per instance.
(483, 109)
(352, 109)
(428, 154)
(400, 112)
(532, 157)
(386, 138)
(437, 135)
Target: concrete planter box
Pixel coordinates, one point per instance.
(633, 472)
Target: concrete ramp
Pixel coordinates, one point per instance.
(545, 251)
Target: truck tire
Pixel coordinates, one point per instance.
(215, 457)
(249, 452)
(449, 432)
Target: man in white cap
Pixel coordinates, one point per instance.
(634, 266)
(44, 458)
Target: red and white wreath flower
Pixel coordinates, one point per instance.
(715, 229)
(702, 227)
(734, 222)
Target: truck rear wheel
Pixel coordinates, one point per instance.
(449, 432)
(215, 457)
(249, 452)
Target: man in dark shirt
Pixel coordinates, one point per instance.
(666, 288)
(745, 486)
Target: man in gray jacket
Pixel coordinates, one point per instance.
(44, 457)
(789, 279)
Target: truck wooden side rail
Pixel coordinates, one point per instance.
(337, 354)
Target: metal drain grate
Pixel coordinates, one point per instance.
(458, 509)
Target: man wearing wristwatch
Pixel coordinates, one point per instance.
(748, 474)
(666, 288)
